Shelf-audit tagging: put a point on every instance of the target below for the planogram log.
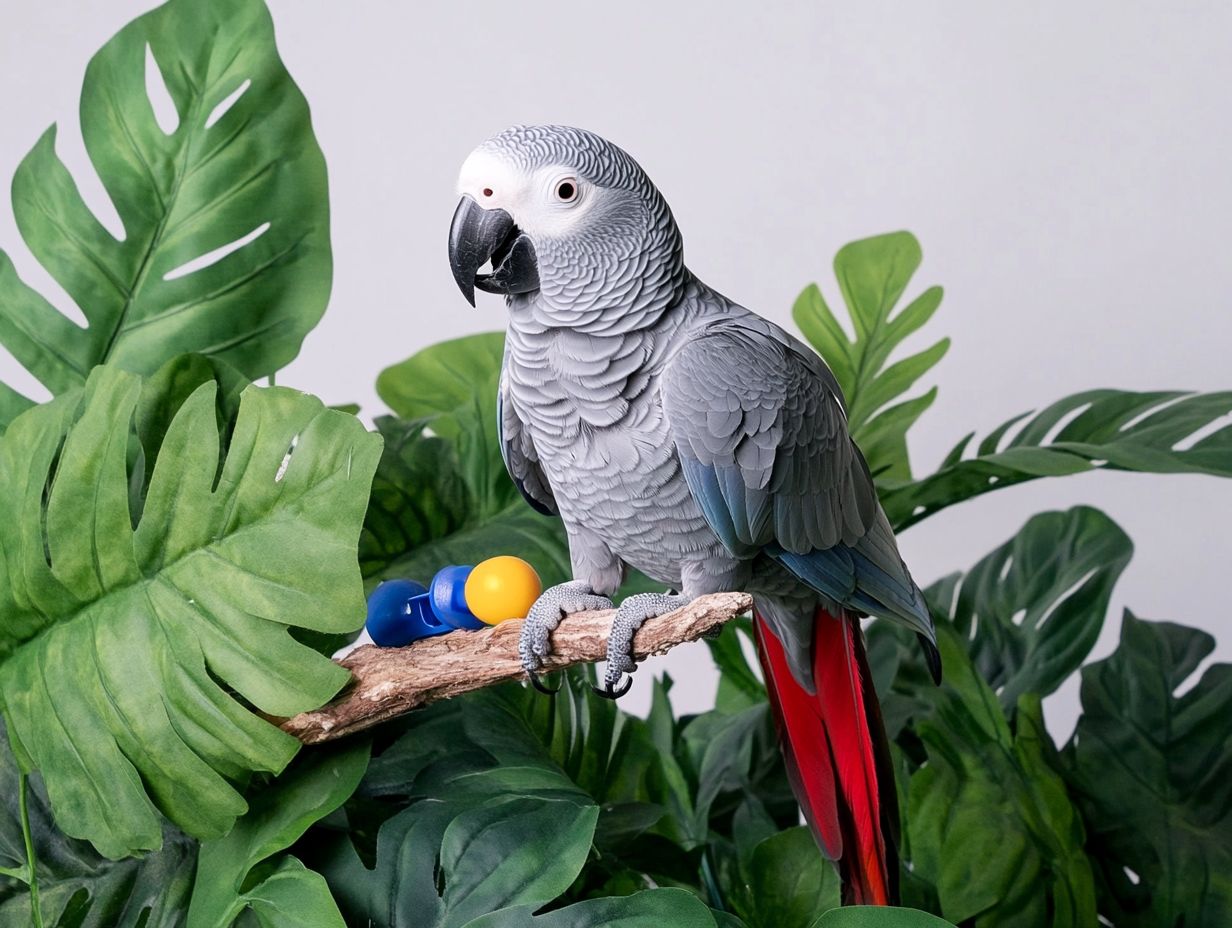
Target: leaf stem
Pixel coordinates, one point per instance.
(36, 914)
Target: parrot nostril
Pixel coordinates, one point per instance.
(487, 191)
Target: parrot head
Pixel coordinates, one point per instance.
(565, 213)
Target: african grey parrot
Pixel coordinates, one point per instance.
(677, 432)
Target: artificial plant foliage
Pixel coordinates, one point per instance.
(1163, 432)
(169, 627)
(868, 916)
(872, 275)
(786, 883)
(77, 885)
(650, 908)
(1027, 614)
(1031, 610)
(441, 493)
(453, 385)
(442, 863)
(234, 169)
(1152, 771)
(240, 870)
(991, 829)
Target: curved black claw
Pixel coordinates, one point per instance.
(607, 691)
(537, 682)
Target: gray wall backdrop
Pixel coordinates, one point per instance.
(1066, 167)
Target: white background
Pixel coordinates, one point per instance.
(1067, 167)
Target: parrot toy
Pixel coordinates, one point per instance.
(679, 433)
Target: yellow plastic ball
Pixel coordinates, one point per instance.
(502, 588)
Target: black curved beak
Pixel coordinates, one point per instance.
(478, 235)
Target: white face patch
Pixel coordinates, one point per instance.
(548, 201)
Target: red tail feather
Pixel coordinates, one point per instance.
(837, 755)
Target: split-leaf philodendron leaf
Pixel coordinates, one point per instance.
(78, 886)
(441, 494)
(235, 872)
(1031, 611)
(126, 643)
(990, 826)
(225, 244)
(1153, 771)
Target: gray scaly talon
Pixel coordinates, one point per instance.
(553, 604)
(629, 618)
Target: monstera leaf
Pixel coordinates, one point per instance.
(225, 247)
(1153, 771)
(990, 826)
(1156, 433)
(442, 495)
(1027, 614)
(872, 275)
(453, 385)
(127, 643)
(650, 908)
(240, 870)
(76, 885)
(1031, 610)
(440, 864)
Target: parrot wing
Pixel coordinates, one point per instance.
(518, 452)
(759, 424)
(761, 432)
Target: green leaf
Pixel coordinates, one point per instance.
(508, 739)
(77, 886)
(227, 555)
(1031, 611)
(1113, 429)
(990, 826)
(280, 813)
(454, 386)
(442, 864)
(1027, 614)
(789, 883)
(418, 496)
(255, 171)
(873, 274)
(293, 897)
(651, 908)
(517, 530)
(442, 495)
(739, 686)
(871, 916)
(442, 378)
(1153, 773)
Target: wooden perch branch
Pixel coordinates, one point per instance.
(389, 682)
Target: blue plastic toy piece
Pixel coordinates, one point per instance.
(448, 597)
(402, 611)
(399, 613)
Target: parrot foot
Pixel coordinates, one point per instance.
(541, 620)
(629, 618)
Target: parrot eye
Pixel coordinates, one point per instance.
(566, 190)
